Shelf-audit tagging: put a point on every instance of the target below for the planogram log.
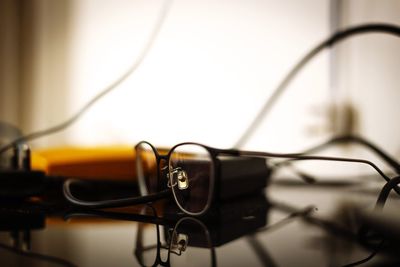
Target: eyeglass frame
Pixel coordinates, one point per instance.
(215, 152)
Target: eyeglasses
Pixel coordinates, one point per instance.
(190, 171)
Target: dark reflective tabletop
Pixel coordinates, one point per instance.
(292, 224)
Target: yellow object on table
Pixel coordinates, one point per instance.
(108, 162)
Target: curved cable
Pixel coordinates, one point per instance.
(291, 217)
(330, 226)
(332, 40)
(366, 259)
(63, 125)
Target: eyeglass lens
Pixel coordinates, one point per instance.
(191, 177)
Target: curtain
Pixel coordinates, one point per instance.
(34, 68)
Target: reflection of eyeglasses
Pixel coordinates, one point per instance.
(178, 236)
(188, 231)
(191, 172)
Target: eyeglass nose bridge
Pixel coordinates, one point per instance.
(182, 178)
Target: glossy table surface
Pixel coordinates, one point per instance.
(284, 227)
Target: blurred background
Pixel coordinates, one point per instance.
(210, 70)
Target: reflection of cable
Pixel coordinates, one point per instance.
(38, 256)
(338, 36)
(259, 249)
(366, 259)
(336, 230)
(293, 215)
(59, 127)
(261, 252)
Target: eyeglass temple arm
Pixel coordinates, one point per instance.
(372, 223)
(358, 140)
(109, 203)
(297, 156)
(291, 156)
(338, 140)
(384, 194)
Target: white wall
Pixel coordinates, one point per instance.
(208, 74)
(34, 67)
(226, 55)
(9, 61)
(369, 71)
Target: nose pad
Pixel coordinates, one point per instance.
(163, 172)
(180, 178)
(183, 180)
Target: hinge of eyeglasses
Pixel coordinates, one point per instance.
(182, 177)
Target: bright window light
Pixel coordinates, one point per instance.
(212, 67)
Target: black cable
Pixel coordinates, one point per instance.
(334, 229)
(366, 259)
(63, 125)
(365, 229)
(292, 216)
(332, 40)
(110, 203)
